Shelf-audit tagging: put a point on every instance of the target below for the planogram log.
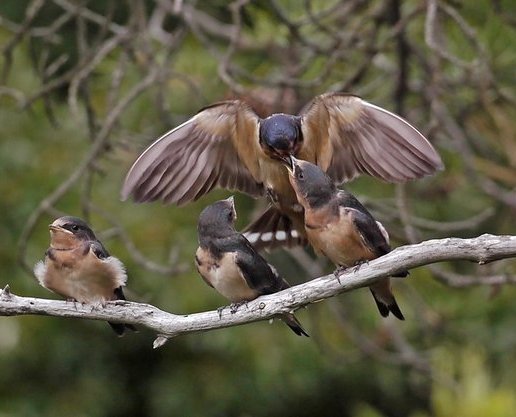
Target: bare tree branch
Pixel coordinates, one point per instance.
(482, 249)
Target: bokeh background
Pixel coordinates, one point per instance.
(86, 85)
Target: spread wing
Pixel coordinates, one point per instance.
(347, 136)
(216, 147)
(258, 273)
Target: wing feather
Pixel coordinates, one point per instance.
(216, 147)
(351, 137)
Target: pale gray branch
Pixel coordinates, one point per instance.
(482, 249)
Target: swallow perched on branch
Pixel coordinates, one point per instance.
(339, 227)
(227, 145)
(79, 268)
(228, 262)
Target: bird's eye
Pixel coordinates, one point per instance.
(300, 175)
(75, 228)
(230, 216)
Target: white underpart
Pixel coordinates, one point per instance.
(40, 270)
(119, 269)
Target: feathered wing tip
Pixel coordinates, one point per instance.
(395, 309)
(121, 328)
(273, 229)
(385, 309)
(291, 321)
(401, 274)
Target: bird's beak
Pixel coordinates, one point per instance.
(54, 228)
(231, 200)
(288, 162)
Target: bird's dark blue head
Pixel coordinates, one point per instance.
(280, 135)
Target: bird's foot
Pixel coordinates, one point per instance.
(72, 300)
(97, 305)
(220, 310)
(340, 269)
(358, 265)
(233, 307)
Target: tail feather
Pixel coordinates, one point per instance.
(382, 308)
(385, 309)
(291, 321)
(394, 309)
(121, 328)
(273, 229)
(401, 274)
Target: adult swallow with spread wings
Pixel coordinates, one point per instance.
(227, 145)
(339, 227)
(79, 268)
(228, 262)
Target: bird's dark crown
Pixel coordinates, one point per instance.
(75, 225)
(316, 187)
(217, 220)
(280, 134)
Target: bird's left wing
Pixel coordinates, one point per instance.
(347, 136)
(257, 272)
(216, 147)
(99, 250)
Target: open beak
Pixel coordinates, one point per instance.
(231, 200)
(288, 162)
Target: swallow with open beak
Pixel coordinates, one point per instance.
(228, 262)
(79, 268)
(227, 145)
(339, 227)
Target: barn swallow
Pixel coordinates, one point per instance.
(79, 268)
(227, 145)
(228, 262)
(339, 227)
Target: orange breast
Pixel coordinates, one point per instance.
(336, 238)
(86, 279)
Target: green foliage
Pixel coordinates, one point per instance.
(464, 386)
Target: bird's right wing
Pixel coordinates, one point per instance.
(370, 233)
(216, 147)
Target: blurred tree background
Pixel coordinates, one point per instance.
(86, 85)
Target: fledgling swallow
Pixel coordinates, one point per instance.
(228, 262)
(339, 227)
(227, 145)
(79, 268)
